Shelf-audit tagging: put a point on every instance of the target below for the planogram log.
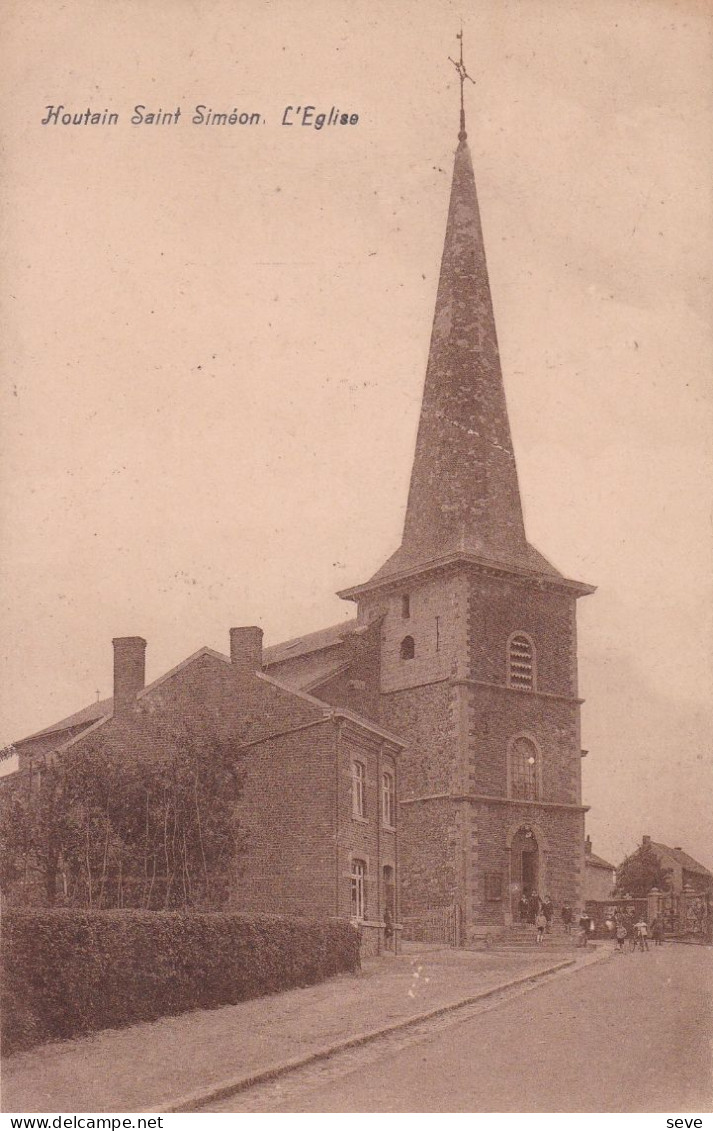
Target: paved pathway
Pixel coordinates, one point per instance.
(632, 1034)
(146, 1067)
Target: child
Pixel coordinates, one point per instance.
(642, 934)
(540, 923)
(620, 936)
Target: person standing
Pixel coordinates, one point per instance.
(642, 934)
(534, 907)
(388, 929)
(547, 911)
(540, 924)
(566, 914)
(524, 908)
(620, 936)
(657, 930)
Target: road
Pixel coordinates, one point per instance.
(631, 1034)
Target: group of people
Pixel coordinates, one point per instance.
(539, 912)
(637, 933)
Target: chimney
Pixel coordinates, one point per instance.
(246, 649)
(129, 671)
(588, 846)
(646, 840)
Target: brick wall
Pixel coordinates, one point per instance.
(428, 839)
(499, 607)
(423, 716)
(560, 838)
(436, 621)
(287, 817)
(496, 715)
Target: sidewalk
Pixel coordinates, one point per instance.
(177, 1061)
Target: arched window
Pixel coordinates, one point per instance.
(521, 662)
(524, 770)
(408, 648)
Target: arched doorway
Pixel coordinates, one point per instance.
(525, 867)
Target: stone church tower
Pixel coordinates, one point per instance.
(476, 633)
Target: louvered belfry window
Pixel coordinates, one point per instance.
(521, 663)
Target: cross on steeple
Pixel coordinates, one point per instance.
(462, 75)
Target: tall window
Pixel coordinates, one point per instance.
(358, 881)
(389, 889)
(521, 662)
(524, 770)
(408, 648)
(388, 799)
(405, 606)
(358, 789)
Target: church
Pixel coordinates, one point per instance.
(457, 674)
(465, 640)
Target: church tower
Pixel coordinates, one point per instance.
(478, 645)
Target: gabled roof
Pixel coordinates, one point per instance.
(598, 862)
(682, 858)
(83, 718)
(104, 708)
(98, 714)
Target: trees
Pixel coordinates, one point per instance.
(150, 823)
(641, 872)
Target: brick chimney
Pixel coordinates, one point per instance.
(129, 671)
(646, 840)
(246, 649)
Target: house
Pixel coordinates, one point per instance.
(319, 793)
(684, 873)
(599, 874)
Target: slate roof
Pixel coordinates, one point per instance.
(85, 717)
(464, 498)
(312, 642)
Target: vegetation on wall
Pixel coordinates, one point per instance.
(641, 872)
(110, 825)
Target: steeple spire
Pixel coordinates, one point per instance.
(464, 498)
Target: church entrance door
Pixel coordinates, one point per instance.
(524, 868)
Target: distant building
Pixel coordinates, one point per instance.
(685, 873)
(599, 874)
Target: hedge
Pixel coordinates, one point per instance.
(70, 972)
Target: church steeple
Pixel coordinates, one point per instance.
(464, 498)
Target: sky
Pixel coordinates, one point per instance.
(216, 338)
